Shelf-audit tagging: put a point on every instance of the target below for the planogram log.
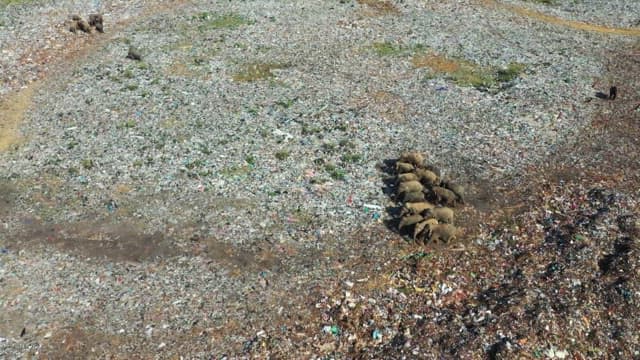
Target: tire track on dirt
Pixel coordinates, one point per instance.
(554, 20)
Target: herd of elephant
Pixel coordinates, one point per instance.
(427, 201)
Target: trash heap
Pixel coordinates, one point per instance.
(426, 200)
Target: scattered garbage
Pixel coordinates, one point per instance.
(112, 206)
(374, 210)
(553, 353)
(331, 329)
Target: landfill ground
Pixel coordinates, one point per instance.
(227, 190)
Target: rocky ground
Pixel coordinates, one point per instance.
(225, 196)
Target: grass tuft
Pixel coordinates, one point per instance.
(351, 158)
(387, 49)
(335, 172)
(87, 164)
(4, 3)
(235, 171)
(512, 71)
(466, 73)
(390, 49)
(282, 155)
(257, 71)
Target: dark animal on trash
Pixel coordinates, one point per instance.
(402, 167)
(95, 20)
(427, 177)
(613, 93)
(442, 233)
(84, 26)
(442, 214)
(445, 196)
(134, 54)
(76, 17)
(456, 188)
(416, 207)
(412, 157)
(412, 197)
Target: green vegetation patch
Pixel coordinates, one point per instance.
(282, 155)
(129, 124)
(87, 164)
(351, 158)
(257, 71)
(233, 171)
(387, 49)
(466, 73)
(4, 3)
(193, 164)
(512, 71)
(390, 49)
(335, 172)
(310, 130)
(473, 76)
(251, 160)
(286, 103)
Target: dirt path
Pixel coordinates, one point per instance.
(550, 19)
(13, 110)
